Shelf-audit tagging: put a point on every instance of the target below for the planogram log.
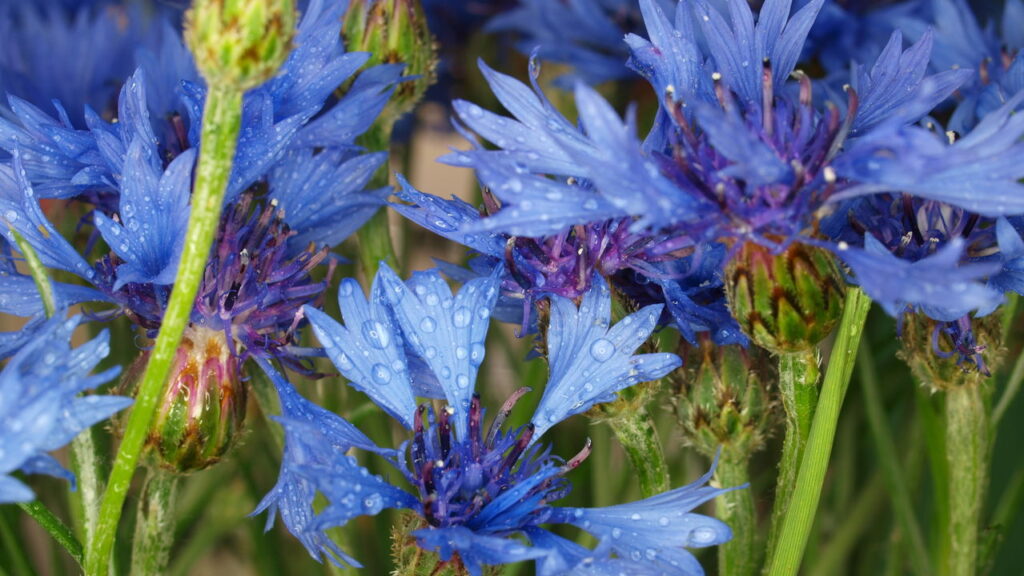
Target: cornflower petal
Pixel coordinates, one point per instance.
(367, 348)
(943, 287)
(446, 331)
(591, 361)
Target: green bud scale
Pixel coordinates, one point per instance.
(239, 44)
(724, 399)
(786, 302)
(394, 32)
(202, 409)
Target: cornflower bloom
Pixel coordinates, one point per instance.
(477, 492)
(296, 190)
(592, 46)
(40, 406)
(741, 157)
(993, 52)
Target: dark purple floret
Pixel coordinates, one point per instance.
(253, 289)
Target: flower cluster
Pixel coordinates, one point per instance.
(297, 187)
(745, 151)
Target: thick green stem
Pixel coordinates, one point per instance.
(899, 492)
(374, 236)
(154, 524)
(635, 431)
(799, 518)
(221, 121)
(798, 387)
(741, 555)
(967, 450)
(55, 527)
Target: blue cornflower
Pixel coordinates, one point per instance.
(945, 236)
(297, 188)
(740, 152)
(592, 45)
(476, 490)
(89, 49)
(992, 52)
(40, 406)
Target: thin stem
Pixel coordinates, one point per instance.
(798, 388)
(935, 445)
(967, 449)
(741, 555)
(894, 476)
(221, 121)
(15, 550)
(863, 513)
(375, 243)
(799, 519)
(1013, 386)
(55, 527)
(38, 273)
(154, 524)
(638, 437)
(1009, 505)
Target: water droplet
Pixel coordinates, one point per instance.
(703, 536)
(431, 299)
(381, 374)
(376, 333)
(663, 521)
(461, 318)
(635, 516)
(476, 353)
(428, 324)
(461, 352)
(430, 352)
(616, 533)
(462, 381)
(602, 349)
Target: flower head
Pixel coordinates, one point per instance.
(40, 406)
(475, 486)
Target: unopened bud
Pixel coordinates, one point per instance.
(786, 302)
(239, 43)
(945, 355)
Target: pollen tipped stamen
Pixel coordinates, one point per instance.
(475, 416)
(444, 431)
(419, 446)
(767, 95)
(520, 446)
(578, 459)
(506, 409)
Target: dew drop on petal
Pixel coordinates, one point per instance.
(602, 349)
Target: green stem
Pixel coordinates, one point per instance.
(894, 476)
(799, 518)
(863, 514)
(375, 243)
(85, 462)
(55, 527)
(638, 437)
(1013, 386)
(741, 555)
(967, 449)
(798, 387)
(221, 121)
(38, 273)
(935, 444)
(15, 551)
(1010, 504)
(154, 524)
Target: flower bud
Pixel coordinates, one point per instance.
(724, 399)
(946, 355)
(239, 43)
(394, 32)
(202, 409)
(787, 302)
